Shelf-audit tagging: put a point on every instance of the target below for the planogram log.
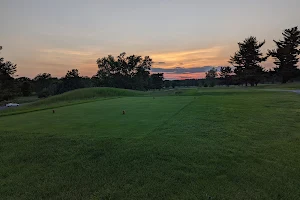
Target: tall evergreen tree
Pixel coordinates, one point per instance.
(247, 61)
(286, 54)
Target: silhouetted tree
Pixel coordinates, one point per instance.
(247, 61)
(26, 88)
(225, 74)
(212, 73)
(167, 83)
(141, 74)
(24, 85)
(72, 74)
(43, 76)
(272, 76)
(286, 54)
(7, 87)
(130, 72)
(7, 70)
(174, 84)
(71, 81)
(210, 76)
(87, 82)
(157, 81)
(42, 81)
(96, 81)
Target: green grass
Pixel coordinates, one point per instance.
(90, 93)
(288, 86)
(74, 97)
(196, 144)
(20, 100)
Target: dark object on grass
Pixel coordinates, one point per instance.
(123, 112)
(53, 111)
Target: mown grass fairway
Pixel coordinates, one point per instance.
(219, 144)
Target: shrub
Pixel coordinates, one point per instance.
(212, 84)
(44, 93)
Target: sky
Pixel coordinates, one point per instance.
(183, 37)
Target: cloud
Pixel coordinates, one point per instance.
(66, 52)
(180, 73)
(159, 63)
(198, 57)
(170, 76)
(183, 70)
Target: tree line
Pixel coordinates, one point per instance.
(129, 72)
(246, 62)
(246, 66)
(133, 72)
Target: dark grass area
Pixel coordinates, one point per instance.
(74, 97)
(237, 146)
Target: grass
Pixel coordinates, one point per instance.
(196, 144)
(20, 100)
(71, 98)
(288, 86)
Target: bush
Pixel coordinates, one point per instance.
(26, 89)
(7, 95)
(212, 84)
(44, 93)
(205, 85)
(178, 92)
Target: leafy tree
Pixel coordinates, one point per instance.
(211, 75)
(95, 81)
(7, 86)
(286, 54)
(272, 76)
(167, 83)
(141, 74)
(131, 72)
(225, 74)
(174, 84)
(44, 93)
(26, 88)
(72, 74)
(7, 69)
(157, 81)
(247, 61)
(43, 76)
(87, 82)
(71, 81)
(24, 85)
(42, 81)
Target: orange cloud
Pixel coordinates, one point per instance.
(171, 76)
(192, 58)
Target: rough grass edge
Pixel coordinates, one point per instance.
(54, 106)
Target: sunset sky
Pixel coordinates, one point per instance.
(182, 37)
